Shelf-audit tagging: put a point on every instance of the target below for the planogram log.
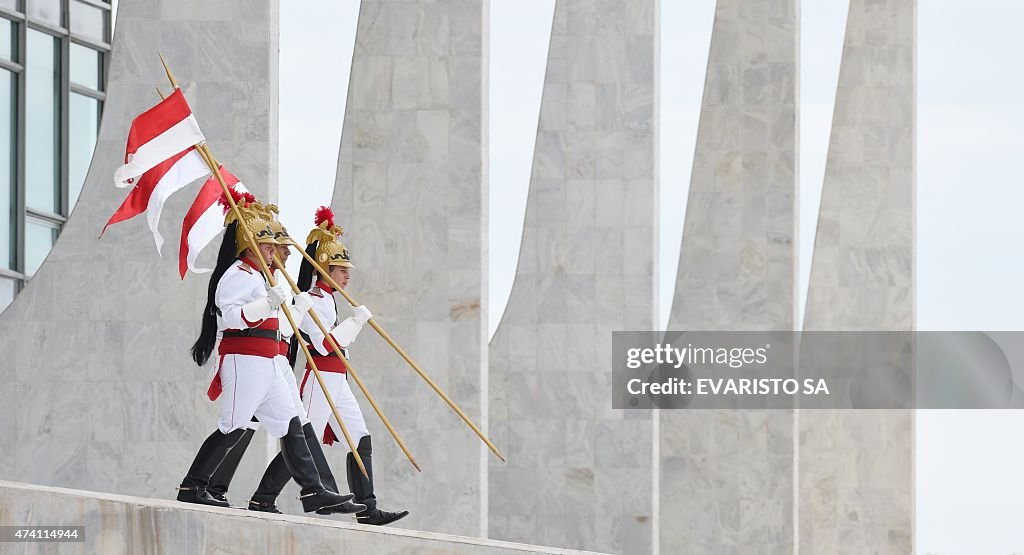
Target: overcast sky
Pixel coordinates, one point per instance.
(970, 192)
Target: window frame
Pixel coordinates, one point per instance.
(21, 23)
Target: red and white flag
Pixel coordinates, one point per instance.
(156, 185)
(204, 221)
(156, 135)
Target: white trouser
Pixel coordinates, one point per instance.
(289, 376)
(254, 386)
(319, 412)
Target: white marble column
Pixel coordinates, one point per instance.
(579, 472)
(857, 467)
(726, 476)
(410, 196)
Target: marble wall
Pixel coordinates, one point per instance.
(99, 390)
(409, 195)
(579, 472)
(726, 477)
(857, 467)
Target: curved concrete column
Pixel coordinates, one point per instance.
(579, 472)
(726, 476)
(857, 467)
(99, 391)
(409, 195)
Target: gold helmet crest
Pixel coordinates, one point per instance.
(330, 251)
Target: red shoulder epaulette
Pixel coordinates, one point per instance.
(316, 292)
(245, 267)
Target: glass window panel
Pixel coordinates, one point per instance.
(42, 122)
(7, 289)
(39, 239)
(85, 66)
(8, 218)
(44, 10)
(88, 21)
(83, 128)
(8, 36)
(9, 4)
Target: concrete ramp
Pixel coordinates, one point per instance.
(116, 524)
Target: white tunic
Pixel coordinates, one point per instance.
(317, 409)
(254, 383)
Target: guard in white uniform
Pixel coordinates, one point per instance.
(221, 479)
(324, 247)
(300, 305)
(249, 383)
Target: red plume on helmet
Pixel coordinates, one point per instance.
(238, 198)
(324, 214)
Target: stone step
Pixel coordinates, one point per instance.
(117, 524)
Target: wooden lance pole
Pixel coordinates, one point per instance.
(352, 372)
(384, 334)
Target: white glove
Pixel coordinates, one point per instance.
(302, 302)
(279, 294)
(345, 333)
(286, 329)
(257, 310)
(361, 314)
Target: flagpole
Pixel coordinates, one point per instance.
(337, 351)
(204, 152)
(384, 334)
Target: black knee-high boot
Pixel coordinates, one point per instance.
(221, 479)
(277, 476)
(274, 479)
(209, 457)
(299, 460)
(362, 487)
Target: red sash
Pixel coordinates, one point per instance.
(325, 364)
(253, 346)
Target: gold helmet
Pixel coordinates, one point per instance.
(252, 218)
(330, 251)
(269, 213)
